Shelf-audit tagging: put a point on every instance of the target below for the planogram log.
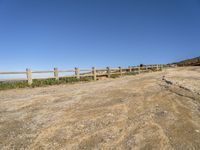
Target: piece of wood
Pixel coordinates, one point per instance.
(114, 73)
(139, 70)
(161, 67)
(94, 73)
(42, 71)
(130, 68)
(85, 69)
(120, 71)
(77, 73)
(56, 73)
(12, 72)
(29, 76)
(66, 70)
(108, 72)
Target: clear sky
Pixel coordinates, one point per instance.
(42, 34)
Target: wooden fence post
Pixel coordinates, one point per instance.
(77, 71)
(29, 76)
(130, 68)
(157, 67)
(161, 67)
(56, 73)
(146, 68)
(138, 69)
(94, 73)
(108, 72)
(120, 70)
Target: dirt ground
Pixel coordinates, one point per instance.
(158, 110)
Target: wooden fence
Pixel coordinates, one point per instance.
(93, 72)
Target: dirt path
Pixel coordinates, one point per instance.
(146, 111)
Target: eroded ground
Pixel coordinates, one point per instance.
(146, 111)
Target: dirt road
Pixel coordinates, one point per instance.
(146, 111)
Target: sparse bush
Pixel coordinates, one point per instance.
(13, 84)
(41, 82)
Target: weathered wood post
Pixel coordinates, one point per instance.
(94, 73)
(77, 73)
(29, 76)
(161, 67)
(157, 67)
(120, 70)
(56, 74)
(146, 68)
(130, 68)
(138, 69)
(108, 72)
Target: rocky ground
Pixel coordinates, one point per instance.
(158, 110)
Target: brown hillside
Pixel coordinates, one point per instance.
(189, 62)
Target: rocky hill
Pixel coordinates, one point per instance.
(189, 62)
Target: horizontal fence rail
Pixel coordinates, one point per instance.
(93, 72)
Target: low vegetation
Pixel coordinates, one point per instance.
(4, 85)
(12, 85)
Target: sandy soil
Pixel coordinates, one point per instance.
(158, 110)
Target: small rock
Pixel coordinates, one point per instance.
(81, 125)
(110, 114)
(197, 131)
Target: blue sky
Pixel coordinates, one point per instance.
(42, 34)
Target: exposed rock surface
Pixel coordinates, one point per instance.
(158, 110)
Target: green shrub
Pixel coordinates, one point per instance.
(41, 82)
(13, 84)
